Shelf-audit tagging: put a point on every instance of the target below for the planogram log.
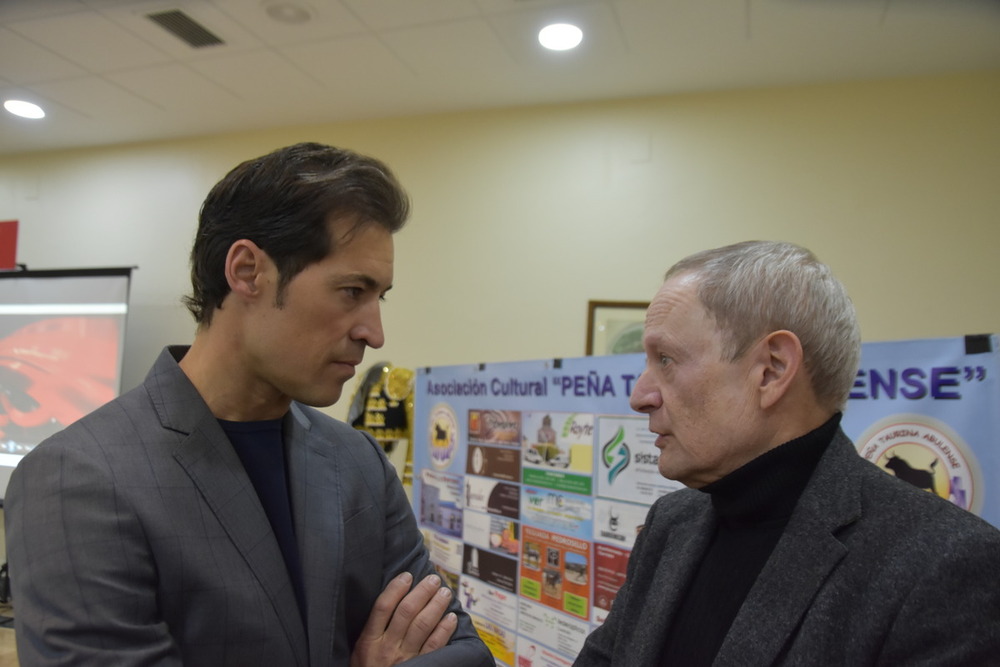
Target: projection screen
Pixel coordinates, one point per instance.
(62, 338)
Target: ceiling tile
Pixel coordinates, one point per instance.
(20, 10)
(175, 88)
(23, 61)
(90, 40)
(326, 20)
(505, 6)
(96, 98)
(388, 14)
(459, 47)
(261, 76)
(329, 62)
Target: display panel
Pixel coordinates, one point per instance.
(533, 479)
(61, 344)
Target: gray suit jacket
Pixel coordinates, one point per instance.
(869, 571)
(135, 537)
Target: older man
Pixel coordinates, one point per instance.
(788, 548)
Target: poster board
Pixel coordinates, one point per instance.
(532, 478)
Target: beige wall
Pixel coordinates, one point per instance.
(521, 216)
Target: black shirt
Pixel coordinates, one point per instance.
(261, 448)
(752, 507)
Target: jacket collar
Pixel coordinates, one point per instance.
(207, 456)
(807, 552)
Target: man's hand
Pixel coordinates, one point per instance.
(405, 624)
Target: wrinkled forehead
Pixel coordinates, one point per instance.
(677, 313)
(676, 299)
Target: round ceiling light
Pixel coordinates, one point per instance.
(24, 109)
(288, 12)
(560, 36)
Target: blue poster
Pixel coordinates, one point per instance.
(526, 441)
(928, 412)
(532, 478)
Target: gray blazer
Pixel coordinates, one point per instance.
(869, 571)
(135, 537)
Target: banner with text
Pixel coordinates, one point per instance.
(533, 478)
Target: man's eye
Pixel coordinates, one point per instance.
(353, 292)
(664, 360)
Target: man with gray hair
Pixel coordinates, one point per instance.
(787, 548)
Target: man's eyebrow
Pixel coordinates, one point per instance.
(363, 278)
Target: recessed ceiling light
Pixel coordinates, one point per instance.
(24, 109)
(560, 36)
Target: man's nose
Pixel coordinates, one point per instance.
(369, 329)
(645, 396)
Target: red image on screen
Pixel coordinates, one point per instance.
(52, 372)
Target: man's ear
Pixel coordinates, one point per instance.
(781, 359)
(245, 265)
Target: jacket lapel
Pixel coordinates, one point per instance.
(803, 558)
(215, 469)
(316, 509)
(689, 531)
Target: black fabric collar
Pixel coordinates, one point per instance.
(767, 488)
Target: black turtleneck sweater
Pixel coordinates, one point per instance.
(752, 506)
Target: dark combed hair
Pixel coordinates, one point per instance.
(284, 202)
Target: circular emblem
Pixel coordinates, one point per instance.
(443, 436)
(926, 453)
(398, 383)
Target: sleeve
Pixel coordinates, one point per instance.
(82, 578)
(951, 615)
(405, 551)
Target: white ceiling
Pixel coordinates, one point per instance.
(106, 73)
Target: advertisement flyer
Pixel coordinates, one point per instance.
(445, 552)
(490, 568)
(628, 458)
(501, 641)
(567, 513)
(440, 502)
(531, 654)
(493, 604)
(492, 497)
(549, 628)
(496, 462)
(610, 564)
(494, 533)
(618, 523)
(555, 570)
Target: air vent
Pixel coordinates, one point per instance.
(186, 28)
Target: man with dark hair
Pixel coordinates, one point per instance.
(211, 516)
(788, 548)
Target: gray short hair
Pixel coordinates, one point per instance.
(756, 287)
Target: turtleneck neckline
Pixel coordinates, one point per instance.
(767, 488)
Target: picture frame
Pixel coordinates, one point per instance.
(615, 327)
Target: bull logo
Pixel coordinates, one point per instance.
(922, 479)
